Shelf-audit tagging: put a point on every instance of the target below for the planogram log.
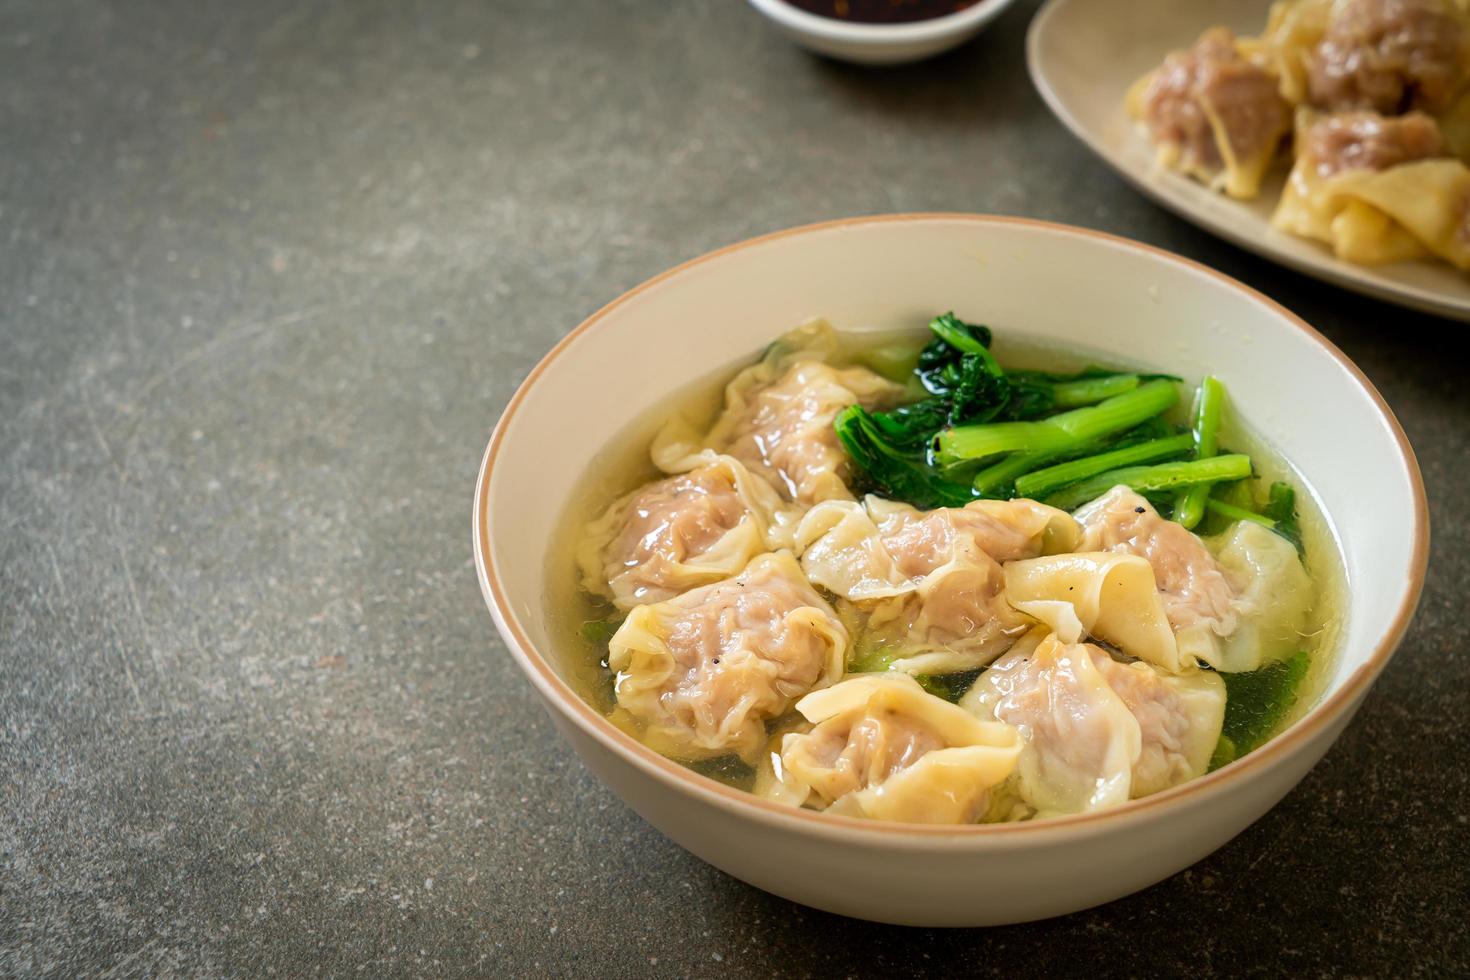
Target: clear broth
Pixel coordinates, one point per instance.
(624, 465)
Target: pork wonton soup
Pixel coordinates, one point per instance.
(885, 576)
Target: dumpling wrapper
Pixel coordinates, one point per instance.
(883, 748)
(699, 675)
(681, 532)
(1410, 211)
(1105, 595)
(1099, 732)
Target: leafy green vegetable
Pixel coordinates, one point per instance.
(1224, 754)
(1281, 508)
(999, 479)
(971, 429)
(964, 337)
(1147, 479)
(1189, 506)
(969, 442)
(1256, 703)
(1235, 496)
(912, 427)
(600, 631)
(729, 769)
(1234, 502)
(981, 391)
(957, 366)
(872, 659)
(896, 473)
(1090, 379)
(1029, 399)
(950, 687)
(1237, 493)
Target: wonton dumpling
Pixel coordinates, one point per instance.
(1235, 611)
(1273, 600)
(778, 417)
(684, 531)
(1377, 189)
(884, 748)
(1391, 56)
(1108, 596)
(701, 673)
(1098, 732)
(1212, 114)
(1179, 718)
(1193, 588)
(930, 582)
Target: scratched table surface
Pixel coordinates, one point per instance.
(268, 273)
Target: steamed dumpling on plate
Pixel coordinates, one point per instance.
(1380, 90)
(1377, 189)
(1390, 56)
(1212, 114)
(1386, 56)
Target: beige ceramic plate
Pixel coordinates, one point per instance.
(1083, 55)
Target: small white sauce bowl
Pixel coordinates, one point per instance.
(880, 44)
(1046, 284)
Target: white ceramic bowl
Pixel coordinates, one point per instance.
(880, 44)
(1044, 282)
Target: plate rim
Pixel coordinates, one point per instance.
(1326, 269)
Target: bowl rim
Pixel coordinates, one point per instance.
(933, 28)
(558, 693)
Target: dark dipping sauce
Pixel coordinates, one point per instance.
(882, 11)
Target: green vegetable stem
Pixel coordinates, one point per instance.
(1150, 479)
(1189, 506)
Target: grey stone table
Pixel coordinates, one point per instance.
(268, 272)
